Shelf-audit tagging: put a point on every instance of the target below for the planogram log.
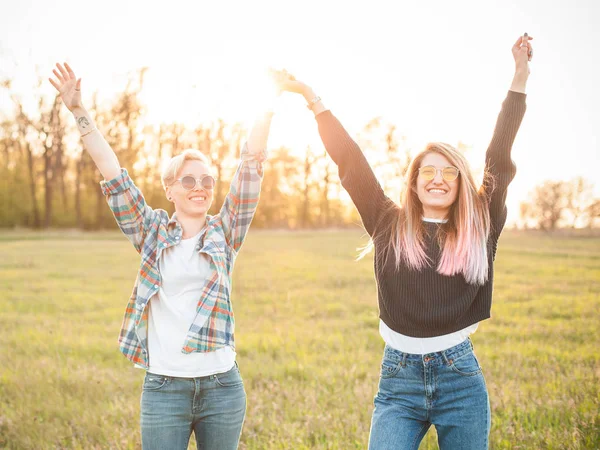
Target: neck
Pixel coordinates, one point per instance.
(191, 226)
(432, 213)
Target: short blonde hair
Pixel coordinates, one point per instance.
(173, 167)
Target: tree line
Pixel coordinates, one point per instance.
(47, 179)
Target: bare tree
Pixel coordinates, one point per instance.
(221, 144)
(593, 212)
(546, 205)
(119, 125)
(24, 142)
(580, 195)
(279, 192)
(388, 153)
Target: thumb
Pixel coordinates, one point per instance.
(78, 85)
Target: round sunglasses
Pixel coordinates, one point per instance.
(448, 173)
(189, 183)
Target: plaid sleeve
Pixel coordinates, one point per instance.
(127, 204)
(242, 199)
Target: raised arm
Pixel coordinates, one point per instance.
(241, 201)
(355, 173)
(498, 161)
(69, 88)
(126, 201)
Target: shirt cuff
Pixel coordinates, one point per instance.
(247, 155)
(516, 96)
(119, 184)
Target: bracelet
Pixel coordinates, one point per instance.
(313, 102)
(93, 129)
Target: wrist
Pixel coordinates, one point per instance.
(79, 111)
(519, 81)
(308, 93)
(521, 73)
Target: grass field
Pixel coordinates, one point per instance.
(308, 343)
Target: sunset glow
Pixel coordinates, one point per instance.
(437, 72)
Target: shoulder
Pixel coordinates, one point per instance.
(389, 214)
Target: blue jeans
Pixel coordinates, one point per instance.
(213, 407)
(445, 389)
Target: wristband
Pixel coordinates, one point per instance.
(313, 102)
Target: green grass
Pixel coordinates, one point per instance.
(308, 343)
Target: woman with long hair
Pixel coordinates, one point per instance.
(434, 266)
(179, 323)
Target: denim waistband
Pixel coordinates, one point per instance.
(434, 358)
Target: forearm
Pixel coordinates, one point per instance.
(259, 135)
(355, 173)
(519, 82)
(309, 95)
(241, 201)
(102, 154)
(499, 162)
(507, 125)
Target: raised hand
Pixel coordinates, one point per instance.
(286, 82)
(522, 53)
(68, 86)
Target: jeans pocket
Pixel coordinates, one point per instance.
(389, 367)
(230, 378)
(154, 382)
(466, 365)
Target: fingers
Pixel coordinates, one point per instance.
(63, 72)
(58, 76)
(288, 75)
(518, 43)
(527, 46)
(523, 40)
(56, 86)
(70, 71)
(63, 75)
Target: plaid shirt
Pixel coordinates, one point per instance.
(151, 231)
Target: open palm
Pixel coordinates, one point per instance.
(286, 82)
(68, 86)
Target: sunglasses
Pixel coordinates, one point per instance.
(448, 173)
(189, 183)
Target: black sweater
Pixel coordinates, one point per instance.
(425, 303)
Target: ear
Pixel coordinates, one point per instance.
(168, 193)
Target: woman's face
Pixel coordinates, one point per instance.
(437, 195)
(195, 202)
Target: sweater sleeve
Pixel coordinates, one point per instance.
(355, 173)
(499, 167)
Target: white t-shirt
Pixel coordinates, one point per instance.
(421, 346)
(172, 311)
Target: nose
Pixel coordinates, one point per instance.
(198, 187)
(438, 179)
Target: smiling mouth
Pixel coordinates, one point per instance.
(437, 191)
(198, 198)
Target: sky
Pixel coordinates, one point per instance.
(438, 70)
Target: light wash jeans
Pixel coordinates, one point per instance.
(213, 407)
(445, 389)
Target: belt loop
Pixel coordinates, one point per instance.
(446, 360)
(403, 362)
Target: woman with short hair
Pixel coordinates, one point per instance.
(179, 322)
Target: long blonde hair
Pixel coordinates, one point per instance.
(463, 238)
